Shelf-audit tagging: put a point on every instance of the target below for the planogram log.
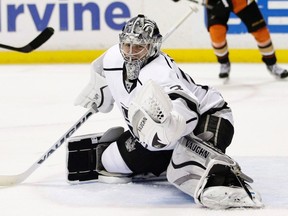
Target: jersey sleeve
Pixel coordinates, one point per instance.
(164, 72)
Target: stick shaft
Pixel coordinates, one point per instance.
(8, 180)
(210, 7)
(179, 23)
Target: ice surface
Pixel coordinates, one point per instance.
(37, 108)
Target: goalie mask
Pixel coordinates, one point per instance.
(139, 41)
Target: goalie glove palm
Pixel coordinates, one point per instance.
(152, 118)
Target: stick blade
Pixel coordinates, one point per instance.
(39, 40)
(10, 180)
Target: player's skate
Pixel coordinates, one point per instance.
(225, 70)
(277, 71)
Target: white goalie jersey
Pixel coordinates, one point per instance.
(188, 99)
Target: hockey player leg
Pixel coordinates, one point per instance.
(84, 154)
(212, 178)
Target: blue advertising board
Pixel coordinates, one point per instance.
(271, 10)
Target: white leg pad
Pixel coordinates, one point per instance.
(191, 163)
(189, 170)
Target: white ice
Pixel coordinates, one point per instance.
(37, 108)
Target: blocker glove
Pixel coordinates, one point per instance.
(96, 92)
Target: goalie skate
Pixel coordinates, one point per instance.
(226, 187)
(223, 197)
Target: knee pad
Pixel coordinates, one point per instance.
(252, 17)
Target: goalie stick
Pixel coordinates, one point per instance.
(34, 44)
(8, 180)
(210, 7)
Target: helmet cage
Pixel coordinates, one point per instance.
(132, 48)
(139, 41)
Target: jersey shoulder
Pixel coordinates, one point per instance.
(113, 58)
(162, 68)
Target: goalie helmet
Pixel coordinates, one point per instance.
(140, 40)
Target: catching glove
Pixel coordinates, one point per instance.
(152, 118)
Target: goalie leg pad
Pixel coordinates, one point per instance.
(196, 166)
(84, 153)
(81, 160)
(190, 164)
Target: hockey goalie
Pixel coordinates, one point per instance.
(176, 129)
